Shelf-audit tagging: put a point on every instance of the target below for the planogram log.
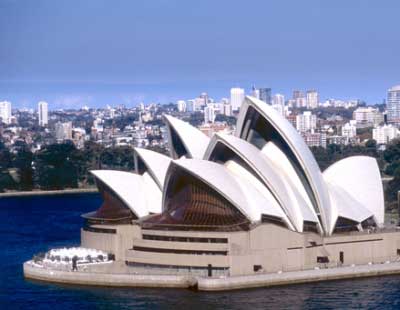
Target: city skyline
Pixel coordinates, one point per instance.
(142, 52)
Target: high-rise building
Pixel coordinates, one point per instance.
(43, 111)
(278, 103)
(227, 109)
(265, 95)
(190, 104)
(255, 92)
(393, 105)
(312, 99)
(63, 131)
(237, 98)
(209, 114)
(181, 105)
(205, 98)
(306, 122)
(5, 112)
(278, 99)
(297, 94)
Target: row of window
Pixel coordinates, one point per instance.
(185, 239)
(179, 251)
(134, 264)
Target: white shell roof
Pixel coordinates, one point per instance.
(298, 147)
(278, 182)
(192, 138)
(139, 193)
(346, 206)
(301, 204)
(360, 179)
(157, 163)
(239, 192)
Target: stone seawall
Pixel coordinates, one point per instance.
(32, 271)
(49, 193)
(35, 272)
(297, 277)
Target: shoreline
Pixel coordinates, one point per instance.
(109, 279)
(49, 192)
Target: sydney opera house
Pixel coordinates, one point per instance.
(240, 204)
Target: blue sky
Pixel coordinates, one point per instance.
(98, 52)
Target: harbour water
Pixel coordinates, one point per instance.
(30, 225)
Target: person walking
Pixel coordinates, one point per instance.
(75, 263)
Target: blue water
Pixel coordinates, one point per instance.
(36, 224)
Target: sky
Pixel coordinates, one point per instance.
(93, 52)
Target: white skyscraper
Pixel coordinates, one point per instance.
(278, 103)
(181, 105)
(5, 112)
(43, 111)
(312, 99)
(393, 105)
(237, 98)
(278, 99)
(306, 122)
(209, 114)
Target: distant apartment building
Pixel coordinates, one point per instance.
(339, 140)
(312, 99)
(63, 131)
(181, 105)
(314, 139)
(384, 134)
(43, 112)
(265, 95)
(367, 116)
(278, 103)
(211, 128)
(393, 105)
(306, 122)
(292, 119)
(237, 98)
(209, 114)
(255, 92)
(278, 99)
(227, 109)
(297, 94)
(349, 129)
(5, 112)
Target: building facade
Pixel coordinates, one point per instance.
(237, 98)
(384, 134)
(43, 112)
(393, 105)
(5, 112)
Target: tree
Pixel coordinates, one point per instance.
(55, 168)
(23, 162)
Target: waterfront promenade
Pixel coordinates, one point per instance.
(102, 277)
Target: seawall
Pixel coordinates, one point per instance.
(49, 193)
(32, 271)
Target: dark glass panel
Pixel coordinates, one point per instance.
(178, 149)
